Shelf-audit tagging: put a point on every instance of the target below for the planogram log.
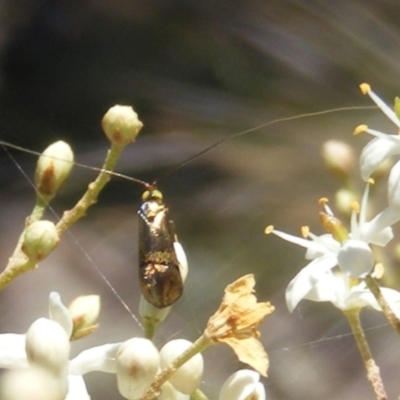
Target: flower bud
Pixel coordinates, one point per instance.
(183, 263)
(151, 314)
(47, 346)
(344, 198)
(121, 125)
(187, 378)
(339, 158)
(243, 384)
(40, 239)
(137, 363)
(53, 168)
(59, 313)
(84, 311)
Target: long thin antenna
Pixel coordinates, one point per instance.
(37, 153)
(273, 122)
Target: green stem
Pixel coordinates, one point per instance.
(94, 189)
(374, 287)
(373, 375)
(201, 344)
(19, 262)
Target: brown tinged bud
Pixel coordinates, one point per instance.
(84, 311)
(53, 168)
(40, 239)
(121, 125)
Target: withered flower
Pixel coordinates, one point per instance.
(236, 323)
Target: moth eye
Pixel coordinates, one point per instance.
(152, 195)
(146, 195)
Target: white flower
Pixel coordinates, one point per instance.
(243, 385)
(351, 252)
(338, 289)
(383, 145)
(46, 346)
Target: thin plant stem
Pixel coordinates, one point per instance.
(373, 375)
(19, 262)
(202, 343)
(90, 197)
(387, 311)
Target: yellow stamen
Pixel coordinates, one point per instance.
(269, 229)
(371, 181)
(334, 226)
(365, 88)
(360, 129)
(323, 200)
(305, 230)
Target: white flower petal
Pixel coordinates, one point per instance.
(394, 187)
(330, 287)
(313, 246)
(77, 388)
(12, 351)
(59, 312)
(388, 111)
(243, 385)
(99, 358)
(377, 151)
(305, 280)
(355, 258)
(378, 230)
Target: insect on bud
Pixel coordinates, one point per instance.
(40, 239)
(121, 125)
(53, 168)
(84, 311)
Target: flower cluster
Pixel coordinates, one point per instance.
(342, 258)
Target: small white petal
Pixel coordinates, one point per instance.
(99, 358)
(12, 351)
(59, 312)
(330, 287)
(305, 280)
(77, 388)
(355, 258)
(187, 378)
(311, 245)
(388, 111)
(394, 187)
(137, 364)
(243, 385)
(377, 151)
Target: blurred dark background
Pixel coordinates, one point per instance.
(196, 72)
